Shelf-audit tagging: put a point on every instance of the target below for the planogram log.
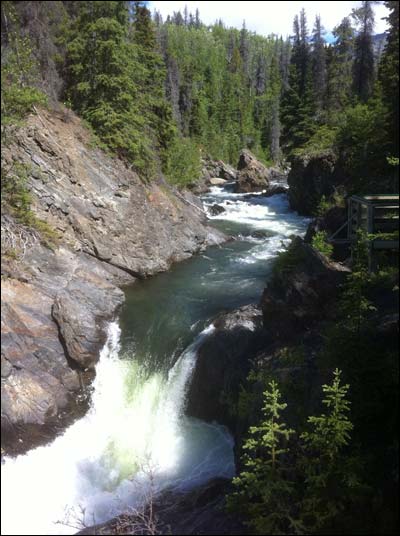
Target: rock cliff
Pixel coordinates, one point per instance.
(112, 229)
(310, 178)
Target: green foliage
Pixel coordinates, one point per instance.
(263, 491)
(368, 357)
(322, 139)
(320, 243)
(138, 82)
(340, 70)
(217, 98)
(392, 161)
(389, 74)
(15, 196)
(354, 306)
(330, 431)
(327, 203)
(183, 162)
(303, 487)
(330, 475)
(19, 73)
(299, 100)
(324, 206)
(363, 67)
(102, 66)
(16, 200)
(361, 144)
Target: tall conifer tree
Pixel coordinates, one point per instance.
(319, 65)
(389, 74)
(363, 73)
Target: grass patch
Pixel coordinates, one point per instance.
(321, 244)
(16, 201)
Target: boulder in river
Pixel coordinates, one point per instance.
(252, 176)
(216, 181)
(216, 209)
(259, 233)
(275, 189)
(218, 169)
(213, 172)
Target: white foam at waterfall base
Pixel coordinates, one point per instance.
(101, 465)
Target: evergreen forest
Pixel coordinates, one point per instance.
(161, 93)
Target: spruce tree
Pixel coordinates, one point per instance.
(389, 75)
(19, 70)
(340, 69)
(330, 475)
(263, 488)
(363, 68)
(244, 50)
(297, 110)
(197, 21)
(151, 83)
(319, 66)
(103, 79)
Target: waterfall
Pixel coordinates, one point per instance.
(100, 466)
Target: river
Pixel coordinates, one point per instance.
(136, 437)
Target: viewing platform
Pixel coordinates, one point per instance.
(376, 215)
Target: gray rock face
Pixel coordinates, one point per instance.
(113, 228)
(35, 378)
(37, 353)
(218, 169)
(223, 362)
(80, 311)
(252, 175)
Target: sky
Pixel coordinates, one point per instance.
(272, 16)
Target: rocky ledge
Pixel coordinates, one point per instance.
(111, 229)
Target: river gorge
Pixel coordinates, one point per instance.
(136, 438)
